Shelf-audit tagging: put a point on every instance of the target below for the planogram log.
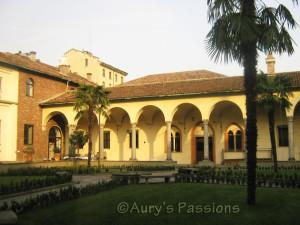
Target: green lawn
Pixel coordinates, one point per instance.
(275, 206)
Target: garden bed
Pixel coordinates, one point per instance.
(19, 183)
(286, 177)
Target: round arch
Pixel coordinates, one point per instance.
(294, 109)
(116, 113)
(58, 121)
(221, 105)
(151, 109)
(55, 113)
(185, 108)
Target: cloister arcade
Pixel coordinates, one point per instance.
(186, 130)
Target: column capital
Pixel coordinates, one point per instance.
(72, 126)
(290, 118)
(205, 121)
(101, 126)
(133, 125)
(168, 122)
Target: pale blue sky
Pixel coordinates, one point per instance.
(139, 36)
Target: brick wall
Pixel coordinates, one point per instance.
(29, 112)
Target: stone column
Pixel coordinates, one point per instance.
(291, 138)
(169, 150)
(101, 141)
(206, 146)
(133, 141)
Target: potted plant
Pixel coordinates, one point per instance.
(57, 152)
(28, 153)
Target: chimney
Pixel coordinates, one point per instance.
(270, 60)
(65, 69)
(31, 55)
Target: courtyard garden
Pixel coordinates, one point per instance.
(192, 203)
(199, 195)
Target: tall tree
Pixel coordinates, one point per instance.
(89, 100)
(241, 28)
(273, 91)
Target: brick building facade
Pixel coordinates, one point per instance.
(46, 81)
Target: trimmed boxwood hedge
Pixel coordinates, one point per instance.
(29, 184)
(52, 197)
(287, 177)
(49, 171)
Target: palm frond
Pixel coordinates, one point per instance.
(274, 91)
(222, 42)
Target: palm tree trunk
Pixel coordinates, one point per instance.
(90, 129)
(272, 138)
(249, 54)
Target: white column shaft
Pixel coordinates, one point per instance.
(101, 141)
(206, 145)
(169, 150)
(133, 141)
(291, 138)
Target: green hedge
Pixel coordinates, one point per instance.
(49, 171)
(265, 177)
(52, 197)
(29, 184)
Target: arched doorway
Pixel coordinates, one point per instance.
(57, 135)
(54, 141)
(198, 143)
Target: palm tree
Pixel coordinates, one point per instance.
(89, 100)
(78, 139)
(273, 91)
(241, 28)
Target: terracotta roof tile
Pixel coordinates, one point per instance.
(217, 85)
(176, 76)
(24, 62)
(187, 87)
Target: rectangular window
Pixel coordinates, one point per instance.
(28, 134)
(29, 87)
(86, 62)
(110, 75)
(136, 139)
(122, 80)
(89, 76)
(283, 136)
(116, 77)
(103, 73)
(106, 139)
